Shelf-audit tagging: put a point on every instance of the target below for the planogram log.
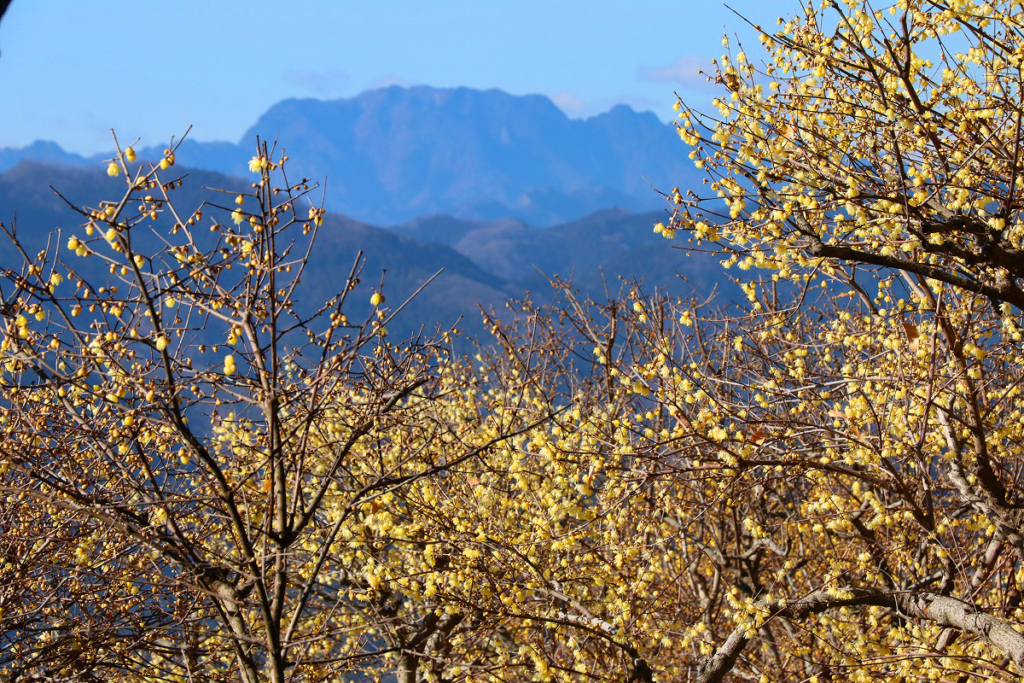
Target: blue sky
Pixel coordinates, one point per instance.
(71, 70)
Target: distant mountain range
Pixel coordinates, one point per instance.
(394, 154)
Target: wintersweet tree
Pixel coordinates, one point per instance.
(206, 477)
(188, 447)
(769, 492)
(874, 154)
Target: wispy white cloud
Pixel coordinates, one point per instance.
(577, 108)
(388, 80)
(689, 70)
(573, 106)
(329, 83)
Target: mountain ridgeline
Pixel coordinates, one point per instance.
(394, 154)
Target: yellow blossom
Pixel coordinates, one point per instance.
(257, 164)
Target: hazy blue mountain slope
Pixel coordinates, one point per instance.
(547, 206)
(484, 262)
(39, 151)
(28, 189)
(592, 251)
(25, 193)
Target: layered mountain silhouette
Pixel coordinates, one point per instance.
(393, 154)
(503, 193)
(484, 263)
